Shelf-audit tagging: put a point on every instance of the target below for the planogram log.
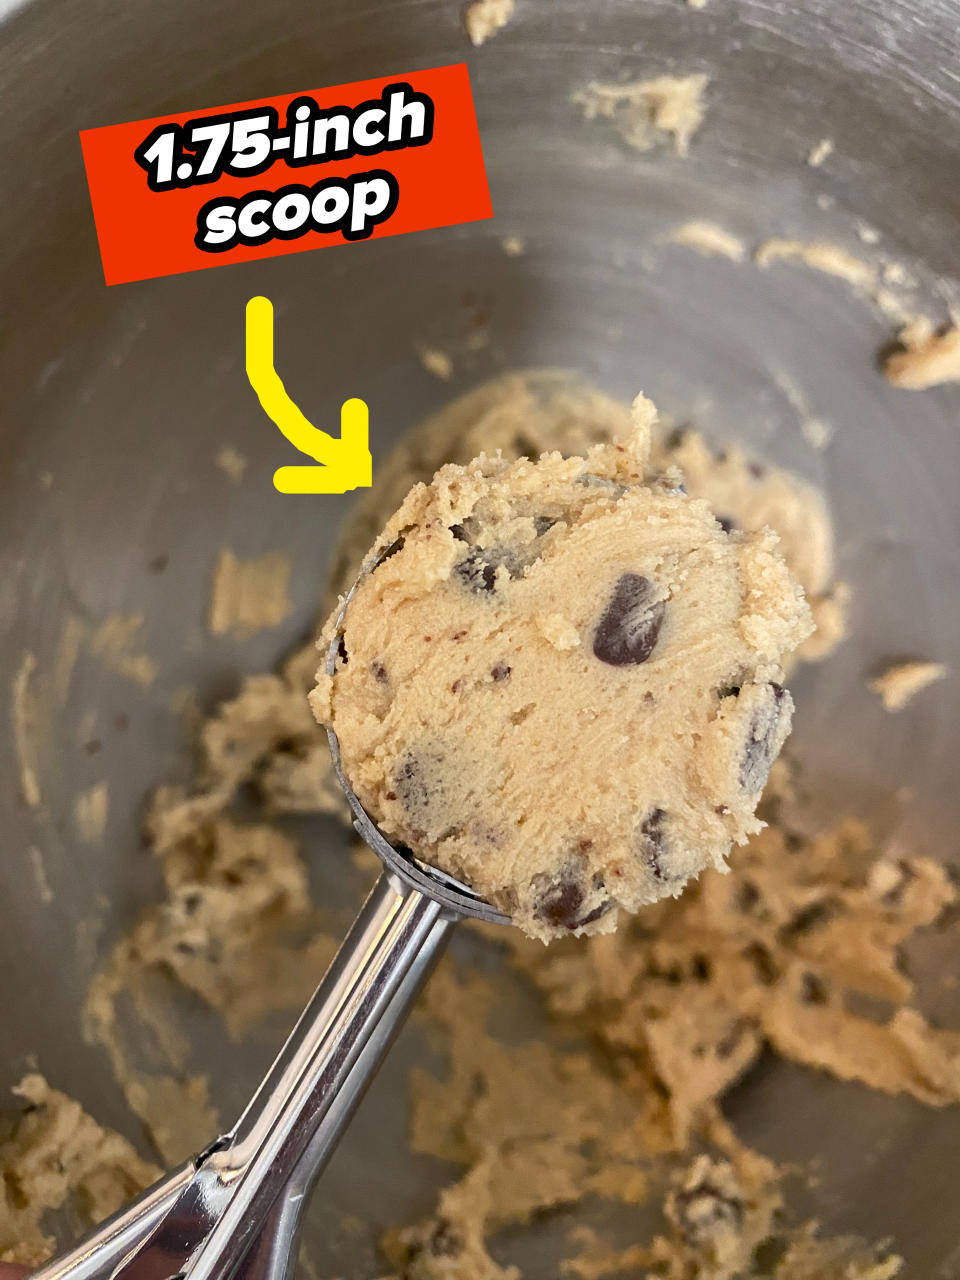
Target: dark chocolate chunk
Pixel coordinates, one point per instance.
(444, 1241)
(559, 905)
(410, 786)
(476, 572)
(703, 1210)
(630, 627)
(500, 672)
(748, 898)
(763, 962)
(701, 968)
(651, 841)
(809, 918)
(759, 750)
(813, 989)
(560, 902)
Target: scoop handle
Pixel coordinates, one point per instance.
(235, 1209)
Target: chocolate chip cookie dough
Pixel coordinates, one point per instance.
(560, 683)
(534, 411)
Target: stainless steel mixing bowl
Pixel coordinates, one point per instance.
(115, 402)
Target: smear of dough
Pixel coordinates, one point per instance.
(249, 595)
(900, 684)
(437, 362)
(513, 246)
(69, 647)
(680, 1005)
(928, 358)
(644, 112)
(113, 642)
(40, 879)
(59, 1156)
(820, 256)
(820, 152)
(816, 432)
(90, 810)
(232, 463)
(484, 18)
(22, 714)
(711, 239)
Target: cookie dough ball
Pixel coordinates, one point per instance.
(561, 685)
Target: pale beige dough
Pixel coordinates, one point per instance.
(59, 1155)
(746, 493)
(645, 112)
(484, 18)
(561, 687)
(536, 411)
(900, 684)
(249, 595)
(928, 358)
(710, 239)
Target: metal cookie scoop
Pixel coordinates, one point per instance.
(235, 1209)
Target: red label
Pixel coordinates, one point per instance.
(279, 175)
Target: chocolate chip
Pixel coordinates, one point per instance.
(651, 841)
(559, 905)
(444, 1242)
(410, 786)
(809, 918)
(630, 627)
(459, 532)
(763, 963)
(748, 897)
(734, 1036)
(560, 901)
(760, 747)
(379, 672)
(476, 572)
(703, 1210)
(500, 672)
(727, 523)
(813, 989)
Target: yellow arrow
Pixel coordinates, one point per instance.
(342, 464)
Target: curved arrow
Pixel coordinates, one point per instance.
(343, 464)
